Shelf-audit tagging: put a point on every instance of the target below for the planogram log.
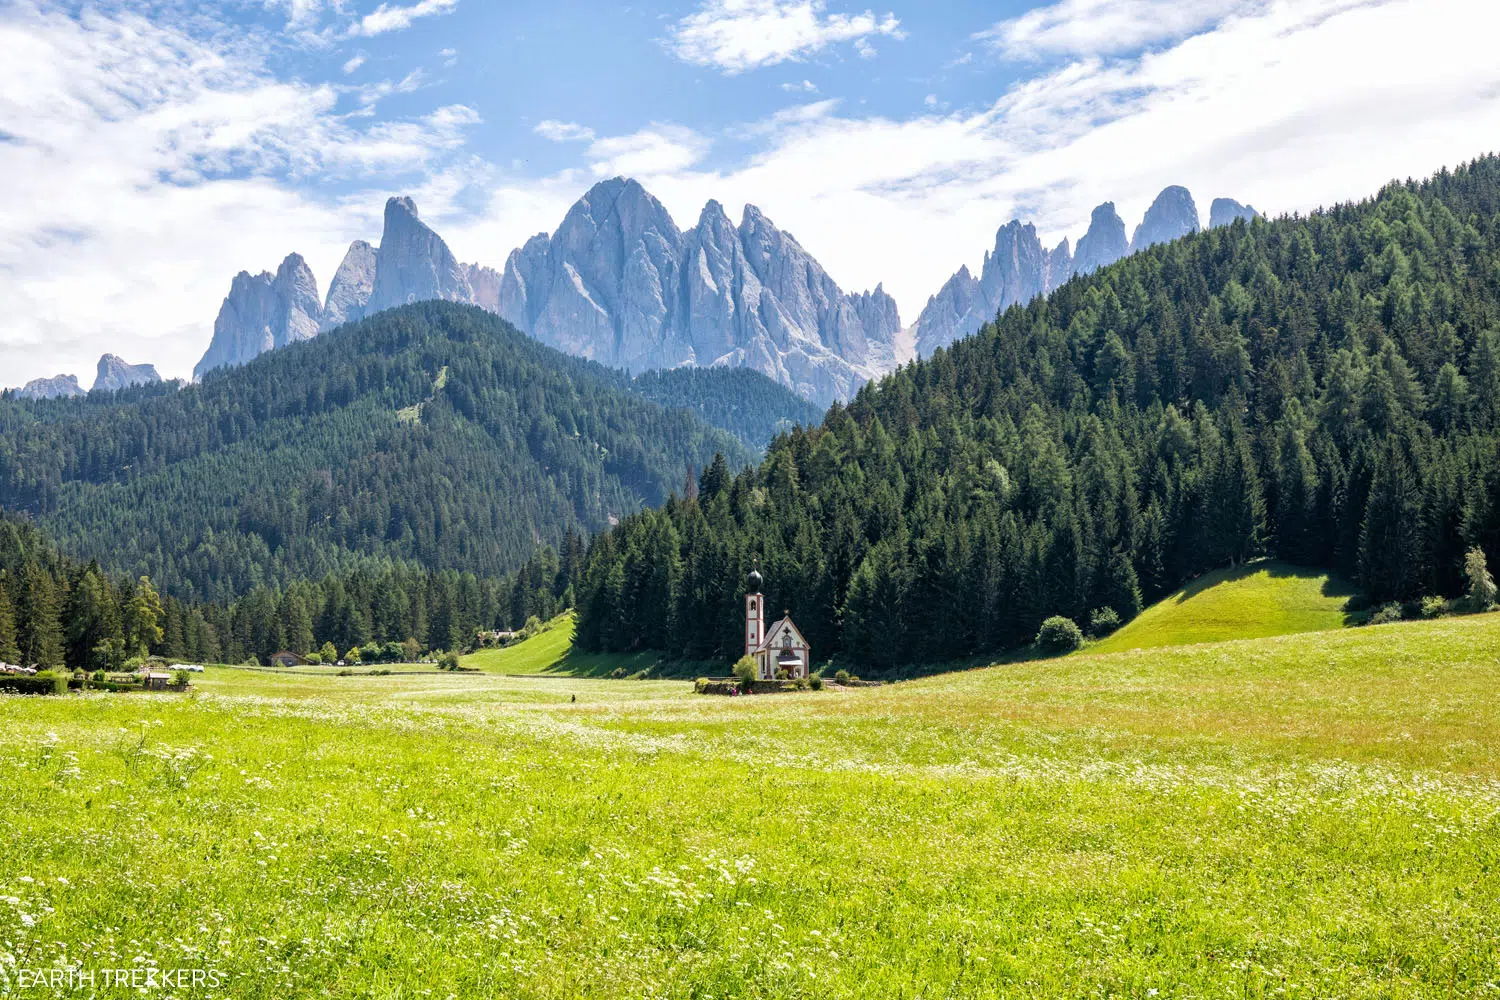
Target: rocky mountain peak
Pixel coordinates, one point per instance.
(1224, 211)
(114, 373)
(58, 386)
(1104, 243)
(1171, 216)
(349, 292)
(413, 263)
(263, 312)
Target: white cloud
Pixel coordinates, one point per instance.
(1289, 107)
(1093, 27)
(738, 35)
(656, 150)
(805, 87)
(144, 167)
(1286, 105)
(387, 18)
(354, 63)
(556, 131)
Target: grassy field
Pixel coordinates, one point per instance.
(1263, 599)
(1313, 815)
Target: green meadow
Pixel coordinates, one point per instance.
(1308, 815)
(1255, 601)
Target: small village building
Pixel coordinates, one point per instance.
(287, 659)
(780, 647)
(155, 680)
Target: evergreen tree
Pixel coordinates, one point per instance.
(10, 652)
(38, 627)
(142, 619)
(1389, 556)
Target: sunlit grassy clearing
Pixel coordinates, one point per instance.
(1262, 599)
(552, 652)
(1310, 815)
(539, 654)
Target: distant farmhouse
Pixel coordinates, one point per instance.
(781, 647)
(287, 659)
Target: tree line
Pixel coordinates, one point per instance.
(434, 434)
(58, 612)
(1323, 389)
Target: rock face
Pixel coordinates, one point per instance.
(349, 292)
(1224, 211)
(1015, 272)
(263, 312)
(485, 283)
(413, 263)
(50, 388)
(620, 283)
(1104, 243)
(114, 374)
(1171, 216)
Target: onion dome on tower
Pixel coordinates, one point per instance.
(753, 582)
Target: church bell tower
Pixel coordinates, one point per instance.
(755, 612)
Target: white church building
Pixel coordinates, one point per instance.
(781, 647)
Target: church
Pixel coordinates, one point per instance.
(781, 647)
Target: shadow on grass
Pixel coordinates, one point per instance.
(647, 663)
(1356, 604)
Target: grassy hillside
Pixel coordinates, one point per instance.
(542, 653)
(1306, 815)
(1262, 599)
(552, 652)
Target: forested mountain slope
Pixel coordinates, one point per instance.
(1324, 389)
(740, 400)
(435, 433)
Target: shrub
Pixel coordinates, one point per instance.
(783, 675)
(98, 677)
(801, 683)
(1059, 635)
(313, 659)
(700, 685)
(1482, 589)
(1434, 607)
(815, 682)
(346, 672)
(617, 674)
(842, 677)
(46, 682)
(448, 661)
(180, 678)
(378, 673)
(746, 669)
(1103, 621)
(1386, 613)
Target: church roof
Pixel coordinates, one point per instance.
(783, 633)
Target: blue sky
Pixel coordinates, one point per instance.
(152, 149)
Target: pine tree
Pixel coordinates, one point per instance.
(142, 619)
(10, 652)
(1389, 553)
(91, 625)
(38, 628)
